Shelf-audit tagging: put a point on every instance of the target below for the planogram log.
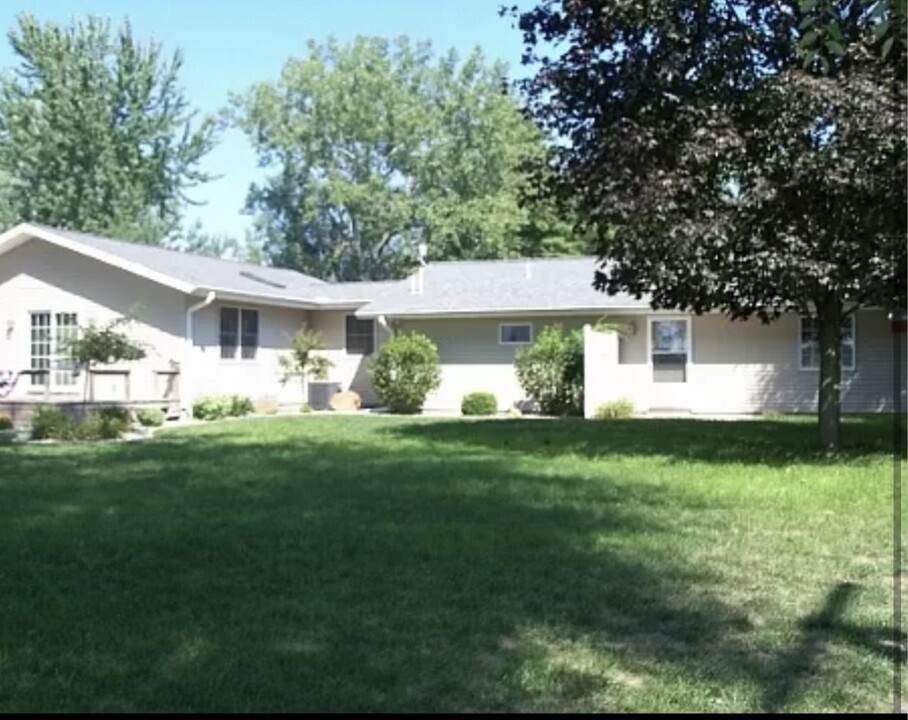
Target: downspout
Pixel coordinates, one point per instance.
(186, 391)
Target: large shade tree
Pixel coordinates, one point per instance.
(95, 132)
(375, 147)
(747, 157)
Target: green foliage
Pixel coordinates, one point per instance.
(240, 406)
(615, 409)
(115, 412)
(218, 407)
(6, 422)
(405, 371)
(550, 371)
(479, 403)
(150, 417)
(48, 422)
(306, 358)
(212, 407)
(95, 132)
(718, 170)
(104, 345)
(51, 423)
(305, 408)
(375, 146)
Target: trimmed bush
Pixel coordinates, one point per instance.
(479, 403)
(615, 410)
(217, 407)
(49, 422)
(6, 422)
(150, 417)
(116, 412)
(405, 371)
(240, 406)
(550, 371)
(305, 408)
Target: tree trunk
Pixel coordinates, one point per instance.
(830, 407)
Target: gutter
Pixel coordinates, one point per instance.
(185, 372)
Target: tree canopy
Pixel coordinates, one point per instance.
(95, 132)
(374, 147)
(748, 157)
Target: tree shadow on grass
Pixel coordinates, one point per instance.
(753, 442)
(212, 572)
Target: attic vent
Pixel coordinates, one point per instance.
(259, 279)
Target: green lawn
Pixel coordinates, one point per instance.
(380, 564)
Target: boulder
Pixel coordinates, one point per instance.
(347, 401)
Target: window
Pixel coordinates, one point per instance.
(49, 341)
(515, 334)
(670, 350)
(239, 331)
(360, 336)
(809, 344)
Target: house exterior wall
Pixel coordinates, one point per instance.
(746, 367)
(37, 276)
(473, 360)
(257, 377)
(351, 370)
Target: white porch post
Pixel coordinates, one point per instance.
(600, 366)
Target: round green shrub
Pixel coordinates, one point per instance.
(240, 406)
(115, 412)
(615, 410)
(479, 403)
(6, 423)
(150, 417)
(213, 407)
(550, 371)
(49, 422)
(405, 371)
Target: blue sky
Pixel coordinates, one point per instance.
(230, 44)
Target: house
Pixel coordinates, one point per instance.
(213, 326)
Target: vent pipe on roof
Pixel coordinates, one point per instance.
(417, 282)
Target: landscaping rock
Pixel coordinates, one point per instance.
(267, 405)
(347, 401)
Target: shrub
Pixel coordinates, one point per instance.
(405, 371)
(212, 408)
(479, 403)
(240, 406)
(550, 371)
(6, 422)
(305, 408)
(614, 410)
(49, 422)
(150, 417)
(115, 412)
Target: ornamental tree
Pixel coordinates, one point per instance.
(744, 157)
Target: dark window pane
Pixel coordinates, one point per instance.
(360, 336)
(250, 338)
(670, 367)
(230, 327)
(515, 334)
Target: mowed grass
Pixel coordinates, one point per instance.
(381, 564)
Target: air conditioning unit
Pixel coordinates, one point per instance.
(321, 392)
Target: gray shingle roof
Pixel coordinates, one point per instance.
(205, 272)
(502, 286)
(449, 288)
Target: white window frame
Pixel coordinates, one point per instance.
(815, 368)
(371, 322)
(688, 334)
(238, 352)
(503, 325)
(54, 373)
